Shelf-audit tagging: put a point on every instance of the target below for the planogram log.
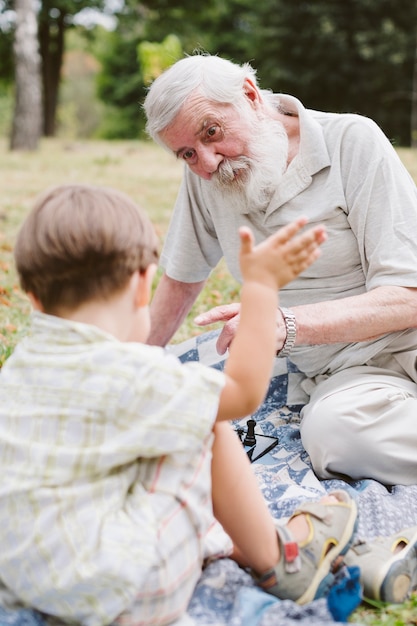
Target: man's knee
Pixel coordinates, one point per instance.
(328, 437)
(320, 423)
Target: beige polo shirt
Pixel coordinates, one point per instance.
(347, 176)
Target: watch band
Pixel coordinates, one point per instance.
(291, 328)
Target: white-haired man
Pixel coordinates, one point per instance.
(349, 321)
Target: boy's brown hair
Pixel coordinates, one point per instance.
(82, 242)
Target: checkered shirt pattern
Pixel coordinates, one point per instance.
(105, 452)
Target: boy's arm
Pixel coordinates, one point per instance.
(265, 268)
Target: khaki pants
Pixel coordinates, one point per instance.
(362, 422)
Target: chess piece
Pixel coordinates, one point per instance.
(250, 439)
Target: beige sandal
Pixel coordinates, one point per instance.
(303, 572)
(388, 565)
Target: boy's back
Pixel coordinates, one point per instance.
(95, 457)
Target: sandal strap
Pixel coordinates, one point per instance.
(304, 571)
(289, 549)
(290, 560)
(315, 509)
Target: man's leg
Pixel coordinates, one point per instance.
(362, 423)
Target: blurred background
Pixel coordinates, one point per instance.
(80, 68)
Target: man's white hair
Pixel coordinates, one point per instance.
(215, 78)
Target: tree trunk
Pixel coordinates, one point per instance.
(26, 128)
(51, 38)
(413, 129)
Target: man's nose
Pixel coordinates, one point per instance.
(208, 162)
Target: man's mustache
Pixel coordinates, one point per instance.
(229, 170)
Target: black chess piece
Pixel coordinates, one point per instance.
(256, 445)
(250, 439)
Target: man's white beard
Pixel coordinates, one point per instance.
(249, 182)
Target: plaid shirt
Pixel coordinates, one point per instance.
(105, 451)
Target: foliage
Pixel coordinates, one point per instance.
(119, 83)
(79, 112)
(356, 55)
(54, 18)
(154, 58)
(141, 27)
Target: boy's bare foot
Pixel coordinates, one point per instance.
(299, 527)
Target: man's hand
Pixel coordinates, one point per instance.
(228, 313)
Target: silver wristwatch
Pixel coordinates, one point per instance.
(291, 328)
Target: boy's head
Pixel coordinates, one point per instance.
(81, 243)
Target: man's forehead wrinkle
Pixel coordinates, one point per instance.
(203, 126)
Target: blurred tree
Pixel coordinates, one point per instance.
(121, 83)
(413, 124)
(79, 110)
(54, 18)
(355, 55)
(26, 129)
(6, 52)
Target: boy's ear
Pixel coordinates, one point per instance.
(144, 286)
(35, 302)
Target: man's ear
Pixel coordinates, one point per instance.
(35, 302)
(251, 91)
(144, 285)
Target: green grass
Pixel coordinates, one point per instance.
(378, 613)
(151, 177)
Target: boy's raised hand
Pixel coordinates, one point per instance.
(281, 257)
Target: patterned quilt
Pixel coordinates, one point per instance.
(225, 594)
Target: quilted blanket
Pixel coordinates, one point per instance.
(225, 594)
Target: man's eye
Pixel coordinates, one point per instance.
(213, 132)
(188, 154)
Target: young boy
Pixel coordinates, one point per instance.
(114, 455)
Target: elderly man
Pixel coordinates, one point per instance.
(348, 322)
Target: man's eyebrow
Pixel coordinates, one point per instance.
(178, 152)
(202, 126)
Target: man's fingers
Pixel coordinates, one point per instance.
(227, 335)
(221, 313)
